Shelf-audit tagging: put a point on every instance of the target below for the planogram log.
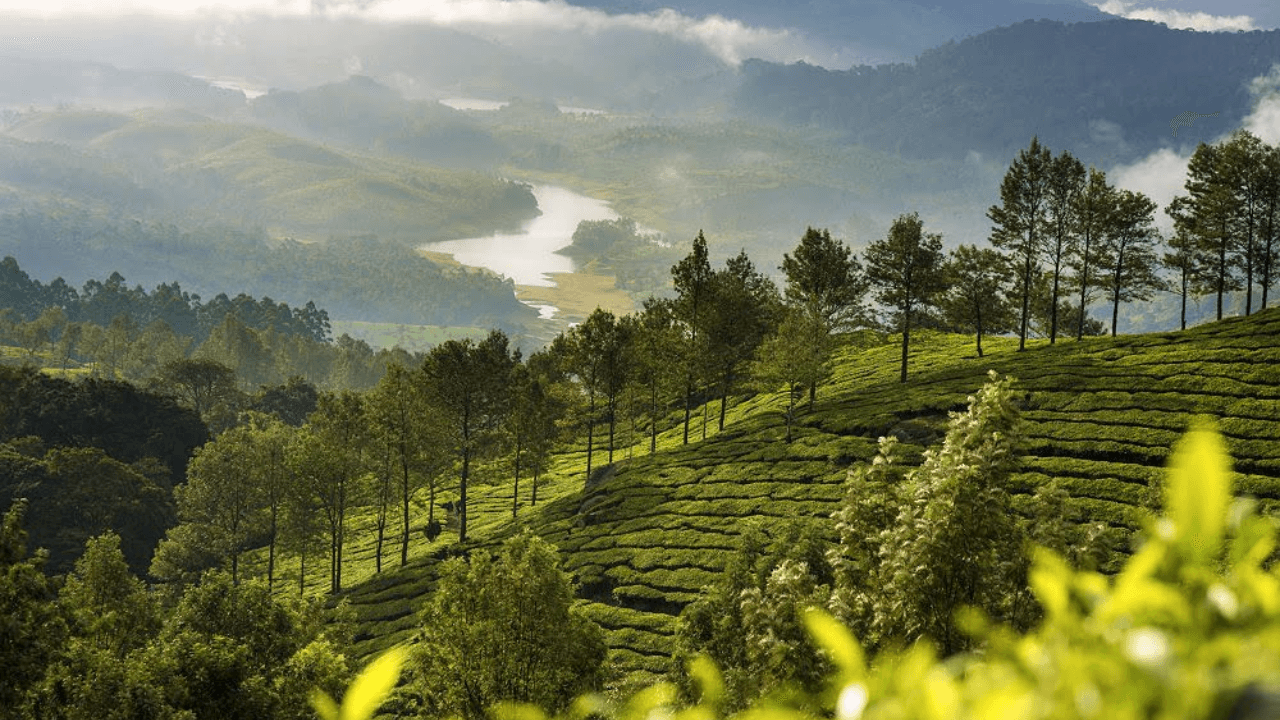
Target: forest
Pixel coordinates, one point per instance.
(234, 507)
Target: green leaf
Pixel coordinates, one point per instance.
(373, 685)
(1199, 493)
(324, 705)
(835, 638)
(703, 669)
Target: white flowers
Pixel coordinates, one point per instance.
(853, 700)
(1147, 646)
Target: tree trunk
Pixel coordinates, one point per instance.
(534, 499)
(1084, 288)
(1185, 283)
(271, 551)
(1026, 307)
(591, 427)
(906, 340)
(613, 421)
(404, 508)
(302, 570)
(1053, 310)
(515, 492)
(462, 500)
(653, 418)
(791, 408)
(688, 398)
(979, 324)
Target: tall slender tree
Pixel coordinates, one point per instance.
(744, 309)
(1093, 206)
(691, 278)
(1243, 159)
(1129, 252)
(1066, 184)
(657, 338)
(1207, 213)
(905, 269)
(825, 275)
(467, 383)
(978, 280)
(1021, 218)
(333, 460)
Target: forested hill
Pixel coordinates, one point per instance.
(651, 531)
(1106, 89)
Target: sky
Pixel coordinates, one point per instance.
(730, 40)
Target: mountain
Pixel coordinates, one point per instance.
(1101, 90)
(367, 115)
(871, 31)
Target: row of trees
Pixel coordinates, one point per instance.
(99, 302)
(463, 407)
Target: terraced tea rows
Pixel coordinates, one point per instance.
(1101, 416)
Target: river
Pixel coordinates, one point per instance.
(529, 255)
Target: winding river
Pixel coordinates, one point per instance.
(529, 255)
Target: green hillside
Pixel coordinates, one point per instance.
(192, 165)
(1100, 415)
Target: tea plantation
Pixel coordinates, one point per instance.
(647, 533)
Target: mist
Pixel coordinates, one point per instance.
(1162, 174)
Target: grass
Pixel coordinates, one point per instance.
(1100, 416)
(577, 295)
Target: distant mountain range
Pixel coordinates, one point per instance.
(1107, 90)
(871, 31)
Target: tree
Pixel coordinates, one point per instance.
(748, 621)
(905, 268)
(1243, 159)
(534, 419)
(978, 282)
(599, 356)
(795, 357)
(405, 426)
(1127, 252)
(1020, 219)
(503, 628)
(201, 385)
(743, 310)
(220, 501)
(825, 276)
(106, 599)
(656, 343)
(1093, 206)
(1066, 183)
(332, 458)
(691, 278)
(292, 402)
(31, 626)
(1207, 213)
(1269, 228)
(1187, 261)
(467, 383)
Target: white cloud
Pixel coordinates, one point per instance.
(729, 40)
(1163, 174)
(1177, 19)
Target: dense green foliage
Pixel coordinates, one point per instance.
(502, 629)
(104, 646)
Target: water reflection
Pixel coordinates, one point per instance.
(527, 256)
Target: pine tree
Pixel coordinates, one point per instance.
(1021, 218)
(905, 268)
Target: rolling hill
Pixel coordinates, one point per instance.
(194, 166)
(650, 531)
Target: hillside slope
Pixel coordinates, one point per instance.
(1100, 415)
